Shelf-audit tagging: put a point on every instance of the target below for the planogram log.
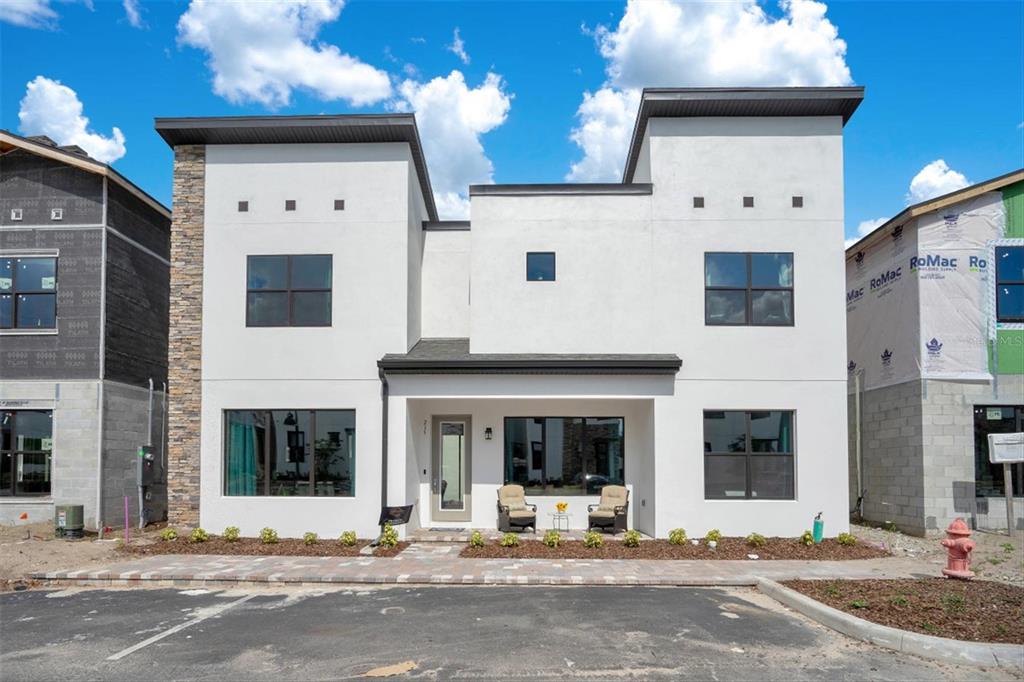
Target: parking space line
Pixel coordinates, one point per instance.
(206, 613)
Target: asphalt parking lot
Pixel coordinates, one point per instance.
(437, 633)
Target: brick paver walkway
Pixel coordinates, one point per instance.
(438, 563)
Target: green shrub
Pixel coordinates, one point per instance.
(509, 540)
(593, 539)
(268, 536)
(807, 538)
(889, 526)
(552, 538)
(859, 604)
(832, 589)
(756, 540)
(476, 539)
(899, 601)
(310, 538)
(677, 536)
(348, 538)
(168, 535)
(389, 537)
(953, 603)
(1007, 547)
(846, 539)
(713, 535)
(631, 538)
(232, 534)
(199, 535)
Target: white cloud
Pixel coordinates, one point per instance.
(28, 13)
(934, 180)
(133, 14)
(451, 117)
(458, 47)
(865, 228)
(261, 51)
(52, 109)
(673, 43)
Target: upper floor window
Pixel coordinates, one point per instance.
(748, 455)
(288, 291)
(1010, 283)
(540, 267)
(28, 293)
(748, 289)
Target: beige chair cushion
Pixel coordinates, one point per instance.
(521, 514)
(613, 496)
(512, 496)
(602, 514)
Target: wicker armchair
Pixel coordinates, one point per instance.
(513, 511)
(611, 511)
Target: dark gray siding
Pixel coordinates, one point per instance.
(137, 220)
(36, 184)
(137, 314)
(74, 352)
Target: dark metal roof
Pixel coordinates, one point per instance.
(692, 102)
(446, 225)
(355, 128)
(560, 189)
(452, 356)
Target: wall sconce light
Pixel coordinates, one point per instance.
(488, 433)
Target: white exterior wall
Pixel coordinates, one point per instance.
(445, 291)
(375, 247)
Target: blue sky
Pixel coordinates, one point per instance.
(944, 80)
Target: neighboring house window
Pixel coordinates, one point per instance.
(26, 443)
(748, 289)
(564, 455)
(540, 267)
(290, 453)
(989, 479)
(748, 455)
(288, 291)
(28, 293)
(1010, 283)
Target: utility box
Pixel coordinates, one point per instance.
(149, 472)
(69, 520)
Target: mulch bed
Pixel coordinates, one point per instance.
(975, 611)
(253, 547)
(728, 548)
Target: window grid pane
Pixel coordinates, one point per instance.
(289, 291)
(28, 293)
(753, 289)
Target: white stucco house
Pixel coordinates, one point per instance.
(336, 348)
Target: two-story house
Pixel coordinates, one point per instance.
(335, 347)
(84, 273)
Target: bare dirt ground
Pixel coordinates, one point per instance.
(997, 556)
(26, 549)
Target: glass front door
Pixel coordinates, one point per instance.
(452, 466)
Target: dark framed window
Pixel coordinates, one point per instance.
(290, 453)
(698, 202)
(288, 291)
(339, 204)
(565, 455)
(243, 206)
(289, 204)
(540, 266)
(1010, 283)
(748, 455)
(26, 447)
(748, 289)
(28, 293)
(748, 202)
(989, 480)
(798, 202)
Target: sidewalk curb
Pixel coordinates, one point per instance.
(1009, 656)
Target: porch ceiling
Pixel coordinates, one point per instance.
(452, 356)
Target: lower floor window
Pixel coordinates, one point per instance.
(26, 444)
(748, 455)
(564, 455)
(989, 480)
(290, 452)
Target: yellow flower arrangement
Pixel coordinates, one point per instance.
(561, 507)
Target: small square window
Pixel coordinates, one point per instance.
(748, 202)
(540, 267)
(243, 206)
(798, 202)
(339, 204)
(698, 202)
(56, 214)
(16, 214)
(289, 204)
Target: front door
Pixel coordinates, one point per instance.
(451, 473)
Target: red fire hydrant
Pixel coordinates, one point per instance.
(959, 545)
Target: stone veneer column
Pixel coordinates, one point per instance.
(185, 342)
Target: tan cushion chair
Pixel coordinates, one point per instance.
(513, 510)
(611, 511)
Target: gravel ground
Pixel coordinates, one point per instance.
(996, 556)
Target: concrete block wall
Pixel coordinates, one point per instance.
(948, 442)
(125, 425)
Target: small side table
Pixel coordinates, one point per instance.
(560, 519)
